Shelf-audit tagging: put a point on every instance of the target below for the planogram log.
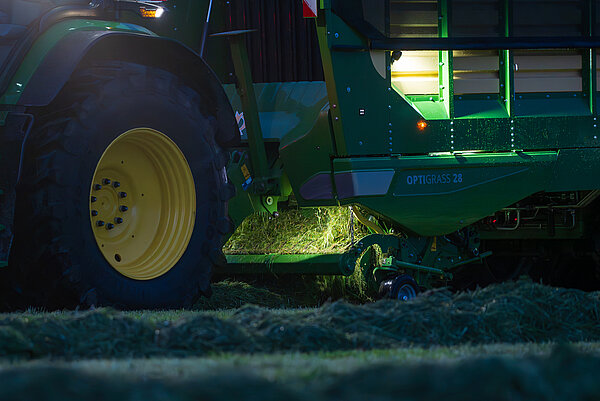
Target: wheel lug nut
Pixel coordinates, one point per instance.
(94, 213)
(123, 194)
(110, 226)
(106, 181)
(118, 220)
(93, 199)
(116, 184)
(123, 208)
(97, 187)
(99, 223)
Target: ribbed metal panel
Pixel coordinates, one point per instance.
(285, 46)
(413, 18)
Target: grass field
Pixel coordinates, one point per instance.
(312, 338)
(491, 372)
(514, 341)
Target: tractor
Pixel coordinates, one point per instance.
(136, 135)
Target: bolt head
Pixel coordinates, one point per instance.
(123, 208)
(94, 213)
(118, 220)
(123, 194)
(97, 187)
(116, 184)
(110, 226)
(106, 181)
(99, 223)
(93, 199)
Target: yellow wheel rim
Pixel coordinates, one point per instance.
(142, 204)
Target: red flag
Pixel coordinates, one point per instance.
(309, 8)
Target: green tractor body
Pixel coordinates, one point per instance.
(467, 138)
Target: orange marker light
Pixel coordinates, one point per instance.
(151, 13)
(421, 125)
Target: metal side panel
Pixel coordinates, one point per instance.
(284, 107)
(439, 194)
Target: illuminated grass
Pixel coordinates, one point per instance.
(319, 230)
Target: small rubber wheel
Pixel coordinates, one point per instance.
(402, 287)
(124, 193)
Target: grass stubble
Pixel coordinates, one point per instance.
(313, 338)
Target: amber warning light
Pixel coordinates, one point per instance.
(152, 13)
(421, 125)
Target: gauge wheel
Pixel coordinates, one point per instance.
(402, 287)
(123, 198)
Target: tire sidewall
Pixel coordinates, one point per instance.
(117, 112)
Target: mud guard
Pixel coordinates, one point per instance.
(58, 66)
(167, 54)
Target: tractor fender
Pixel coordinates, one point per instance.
(62, 60)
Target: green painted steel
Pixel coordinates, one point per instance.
(286, 264)
(435, 195)
(430, 163)
(478, 154)
(565, 118)
(399, 264)
(294, 115)
(258, 155)
(47, 41)
(505, 148)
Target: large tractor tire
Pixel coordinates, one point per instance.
(123, 198)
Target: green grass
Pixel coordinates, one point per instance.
(507, 313)
(504, 342)
(288, 291)
(282, 338)
(489, 372)
(319, 230)
(296, 366)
